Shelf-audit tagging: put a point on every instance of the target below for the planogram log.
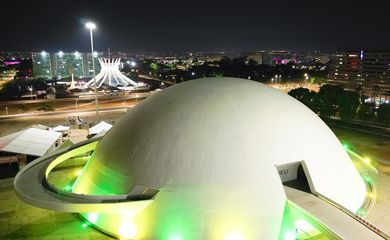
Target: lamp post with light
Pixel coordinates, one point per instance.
(91, 26)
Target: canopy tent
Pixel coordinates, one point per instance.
(32, 141)
(60, 128)
(102, 126)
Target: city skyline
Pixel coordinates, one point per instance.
(200, 26)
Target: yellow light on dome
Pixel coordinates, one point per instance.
(127, 229)
(234, 236)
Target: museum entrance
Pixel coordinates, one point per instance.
(293, 175)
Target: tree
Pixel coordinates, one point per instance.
(384, 114)
(23, 108)
(359, 91)
(307, 97)
(328, 100)
(46, 107)
(387, 94)
(376, 90)
(366, 111)
(348, 104)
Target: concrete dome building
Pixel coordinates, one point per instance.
(208, 151)
(204, 159)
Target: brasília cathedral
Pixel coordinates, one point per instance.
(199, 160)
(112, 76)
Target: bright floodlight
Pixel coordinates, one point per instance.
(90, 25)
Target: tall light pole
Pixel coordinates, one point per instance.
(91, 26)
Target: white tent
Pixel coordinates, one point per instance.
(102, 126)
(40, 126)
(60, 128)
(32, 141)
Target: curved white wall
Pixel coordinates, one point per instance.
(211, 146)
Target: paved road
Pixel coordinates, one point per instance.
(72, 99)
(335, 219)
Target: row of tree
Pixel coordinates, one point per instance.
(334, 101)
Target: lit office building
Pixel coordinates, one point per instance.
(42, 65)
(345, 66)
(375, 68)
(62, 65)
(367, 68)
(87, 61)
(67, 64)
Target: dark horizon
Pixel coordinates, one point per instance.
(177, 27)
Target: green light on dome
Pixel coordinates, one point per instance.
(345, 146)
(175, 237)
(367, 178)
(85, 225)
(287, 231)
(290, 236)
(68, 188)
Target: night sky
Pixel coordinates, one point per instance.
(182, 26)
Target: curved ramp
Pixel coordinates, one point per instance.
(31, 186)
(341, 223)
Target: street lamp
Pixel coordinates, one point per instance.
(31, 90)
(91, 26)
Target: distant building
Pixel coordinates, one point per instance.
(257, 57)
(42, 65)
(67, 64)
(279, 57)
(62, 65)
(15, 55)
(317, 57)
(375, 68)
(87, 61)
(345, 66)
(371, 69)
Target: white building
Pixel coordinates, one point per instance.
(204, 159)
(213, 148)
(111, 75)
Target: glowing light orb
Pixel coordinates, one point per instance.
(176, 237)
(234, 236)
(290, 236)
(93, 217)
(127, 229)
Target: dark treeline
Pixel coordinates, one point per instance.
(240, 67)
(334, 101)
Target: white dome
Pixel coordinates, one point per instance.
(211, 146)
